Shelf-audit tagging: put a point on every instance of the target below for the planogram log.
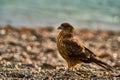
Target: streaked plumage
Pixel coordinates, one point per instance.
(73, 50)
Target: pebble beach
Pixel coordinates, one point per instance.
(31, 53)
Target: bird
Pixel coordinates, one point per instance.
(74, 50)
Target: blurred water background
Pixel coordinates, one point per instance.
(94, 14)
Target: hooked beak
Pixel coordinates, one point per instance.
(60, 27)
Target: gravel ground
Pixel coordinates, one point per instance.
(27, 53)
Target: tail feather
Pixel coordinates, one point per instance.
(103, 64)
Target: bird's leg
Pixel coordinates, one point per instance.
(67, 70)
(72, 69)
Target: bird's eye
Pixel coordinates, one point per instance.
(62, 25)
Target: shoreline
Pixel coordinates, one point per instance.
(92, 25)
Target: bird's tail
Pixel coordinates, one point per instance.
(103, 64)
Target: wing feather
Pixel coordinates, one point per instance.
(72, 47)
(75, 49)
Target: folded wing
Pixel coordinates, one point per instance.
(75, 49)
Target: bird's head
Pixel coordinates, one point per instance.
(66, 27)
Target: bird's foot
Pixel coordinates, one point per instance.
(66, 71)
(69, 72)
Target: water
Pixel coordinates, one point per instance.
(84, 13)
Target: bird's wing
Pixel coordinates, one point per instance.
(72, 46)
(77, 49)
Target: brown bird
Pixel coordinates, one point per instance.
(74, 50)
